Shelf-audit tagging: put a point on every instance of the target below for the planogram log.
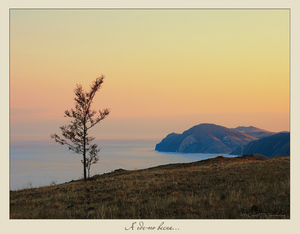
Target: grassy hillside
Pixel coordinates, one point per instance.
(219, 188)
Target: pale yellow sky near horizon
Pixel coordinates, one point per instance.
(166, 70)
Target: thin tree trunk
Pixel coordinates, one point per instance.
(84, 151)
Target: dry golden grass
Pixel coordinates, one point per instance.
(212, 189)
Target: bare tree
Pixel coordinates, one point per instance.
(75, 135)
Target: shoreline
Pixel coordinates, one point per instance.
(217, 159)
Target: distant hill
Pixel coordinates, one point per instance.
(255, 132)
(272, 146)
(205, 138)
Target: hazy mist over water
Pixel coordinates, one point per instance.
(35, 164)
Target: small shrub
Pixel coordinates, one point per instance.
(57, 205)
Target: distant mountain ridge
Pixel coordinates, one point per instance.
(211, 138)
(205, 138)
(255, 132)
(272, 146)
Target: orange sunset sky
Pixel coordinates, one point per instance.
(166, 70)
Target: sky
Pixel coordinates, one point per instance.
(165, 70)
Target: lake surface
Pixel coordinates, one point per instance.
(34, 164)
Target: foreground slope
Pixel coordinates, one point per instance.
(205, 138)
(218, 188)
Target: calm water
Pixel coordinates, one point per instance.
(35, 164)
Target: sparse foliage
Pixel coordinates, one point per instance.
(75, 135)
